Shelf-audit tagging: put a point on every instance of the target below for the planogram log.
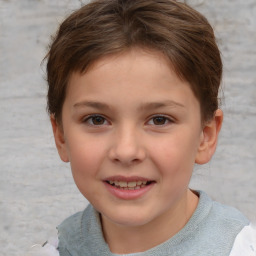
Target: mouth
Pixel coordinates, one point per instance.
(129, 185)
(129, 188)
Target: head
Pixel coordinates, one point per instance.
(107, 27)
(133, 89)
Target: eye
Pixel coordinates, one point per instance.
(96, 120)
(159, 120)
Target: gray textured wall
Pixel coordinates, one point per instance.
(36, 189)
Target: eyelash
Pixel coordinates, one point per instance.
(167, 120)
(89, 120)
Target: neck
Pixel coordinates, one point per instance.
(132, 239)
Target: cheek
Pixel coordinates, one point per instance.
(85, 158)
(85, 161)
(175, 154)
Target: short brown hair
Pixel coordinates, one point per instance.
(105, 27)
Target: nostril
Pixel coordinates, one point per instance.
(127, 151)
(126, 162)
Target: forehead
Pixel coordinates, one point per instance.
(132, 62)
(134, 74)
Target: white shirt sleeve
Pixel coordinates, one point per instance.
(48, 249)
(245, 242)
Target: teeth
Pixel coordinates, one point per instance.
(132, 184)
(122, 184)
(128, 185)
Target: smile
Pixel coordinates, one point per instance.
(130, 185)
(128, 188)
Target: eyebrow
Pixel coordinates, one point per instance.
(92, 104)
(143, 106)
(160, 104)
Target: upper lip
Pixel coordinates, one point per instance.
(126, 178)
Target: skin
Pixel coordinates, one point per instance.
(147, 124)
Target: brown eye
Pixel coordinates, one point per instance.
(96, 120)
(159, 120)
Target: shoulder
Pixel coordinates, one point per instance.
(245, 242)
(216, 226)
(70, 228)
(69, 222)
(223, 214)
(78, 233)
(66, 231)
(228, 214)
(69, 232)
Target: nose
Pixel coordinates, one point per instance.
(127, 147)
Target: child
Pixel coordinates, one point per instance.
(133, 101)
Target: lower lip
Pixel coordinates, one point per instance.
(128, 194)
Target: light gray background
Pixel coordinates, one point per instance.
(36, 188)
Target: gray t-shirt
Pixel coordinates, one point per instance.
(211, 231)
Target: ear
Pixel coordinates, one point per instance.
(209, 138)
(59, 139)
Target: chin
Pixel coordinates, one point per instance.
(130, 219)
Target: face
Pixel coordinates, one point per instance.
(132, 132)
